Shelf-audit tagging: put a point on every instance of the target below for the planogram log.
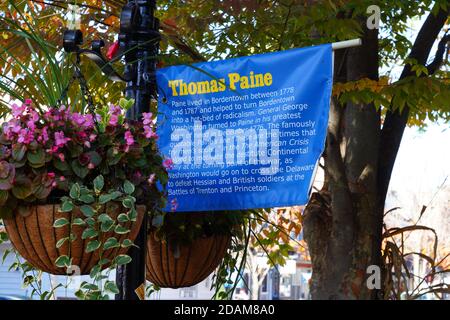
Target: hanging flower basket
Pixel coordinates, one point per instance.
(172, 265)
(34, 236)
(74, 187)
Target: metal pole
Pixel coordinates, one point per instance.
(346, 44)
(139, 37)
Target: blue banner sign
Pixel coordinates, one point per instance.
(247, 132)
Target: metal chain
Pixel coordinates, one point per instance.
(87, 96)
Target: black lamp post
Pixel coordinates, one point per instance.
(139, 41)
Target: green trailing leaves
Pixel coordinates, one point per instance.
(61, 242)
(121, 230)
(92, 246)
(126, 243)
(111, 243)
(63, 261)
(122, 259)
(60, 223)
(99, 183)
(128, 187)
(75, 191)
(89, 233)
(87, 211)
(87, 198)
(67, 206)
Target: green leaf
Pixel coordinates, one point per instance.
(90, 222)
(60, 223)
(18, 151)
(126, 103)
(87, 198)
(115, 194)
(128, 187)
(105, 218)
(106, 222)
(92, 246)
(60, 242)
(72, 237)
(133, 214)
(103, 261)
(122, 259)
(87, 211)
(121, 230)
(63, 261)
(75, 191)
(128, 203)
(36, 157)
(78, 222)
(67, 206)
(99, 183)
(104, 198)
(78, 169)
(94, 157)
(22, 187)
(123, 217)
(89, 233)
(111, 243)
(61, 165)
(111, 287)
(95, 271)
(107, 226)
(127, 243)
(89, 286)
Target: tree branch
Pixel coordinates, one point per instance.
(440, 53)
(395, 122)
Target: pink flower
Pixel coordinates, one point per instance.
(87, 144)
(91, 166)
(89, 121)
(147, 118)
(148, 132)
(114, 120)
(62, 178)
(16, 128)
(52, 150)
(129, 138)
(78, 119)
(168, 163)
(61, 157)
(28, 102)
(82, 135)
(17, 111)
(60, 139)
(31, 125)
(115, 109)
(25, 136)
(137, 174)
(12, 127)
(92, 137)
(34, 116)
(51, 175)
(151, 179)
(43, 137)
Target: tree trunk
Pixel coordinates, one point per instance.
(343, 222)
(344, 247)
